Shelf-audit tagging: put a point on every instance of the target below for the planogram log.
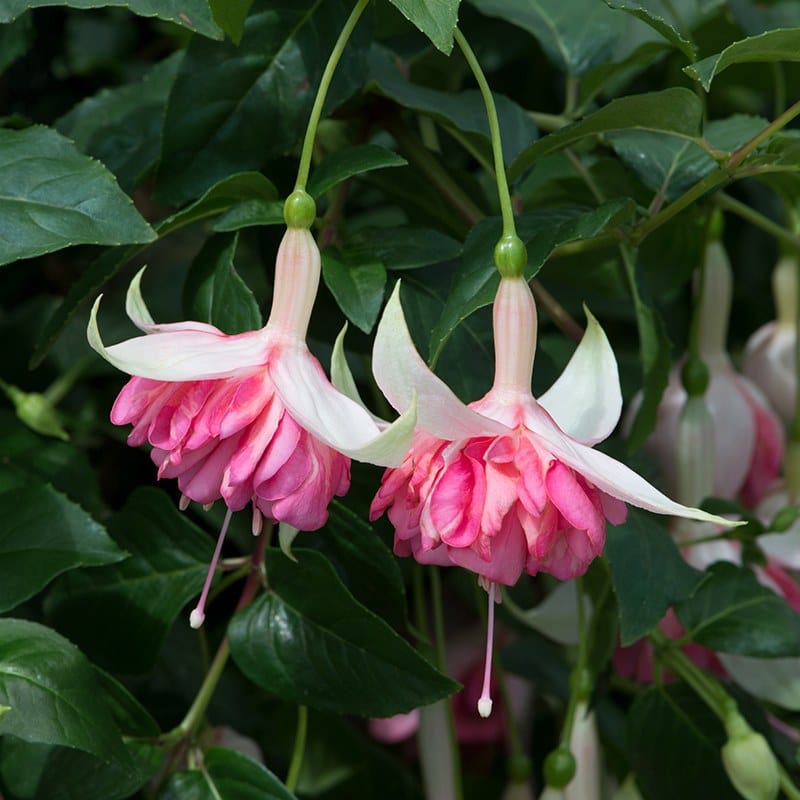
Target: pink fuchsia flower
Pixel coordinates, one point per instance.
(769, 356)
(748, 437)
(248, 418)
(509, 483)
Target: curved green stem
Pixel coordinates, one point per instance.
(322, 92)
(506, 209)
(728, 203)
(576, 683)
(299, 748)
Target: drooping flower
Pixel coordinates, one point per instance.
(748, 437)
(509, 483)
(769, 356)
(251, 417)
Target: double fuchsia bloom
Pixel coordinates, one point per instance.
(508, 483)
(248, 418)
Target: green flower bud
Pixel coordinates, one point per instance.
(581, 684)
(510, 256)
(4, 710)
(559, 767)
(299, 210)
(784, 519)
(37, 412)
(518, 768)
(695, 376)
(749, 762)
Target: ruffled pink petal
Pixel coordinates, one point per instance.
(457, 500)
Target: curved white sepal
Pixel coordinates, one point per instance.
(586, 400)
(332, 417)
(182, 353)
(135, 307)
(610, 475)
(400, 371)
(341, 377)
(286, 536)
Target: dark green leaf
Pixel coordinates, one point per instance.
(230, 16)
(225, 775)
(215, 293)
(192, 14)
(361, 666)
(350, 161)
(674, 743)
(364, 563)
(358, 289)
(730, 611)
(43, 535)
(780, 45)
(232, 107)
(52, 196)
(575, 36)
(674, 111)
(463, 111)
(674, 22)
(648, 573)
(15, 39)
(437, 19)
(228, 192)
(120, 614)
(251, 214)
(122, 127)
(671, 166)
(475, 282)
(49, 687)
(402, 247)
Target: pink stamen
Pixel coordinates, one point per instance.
(485, 700)
(197, 617)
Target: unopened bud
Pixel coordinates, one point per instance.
(749, 762)
(559, 767)
(299, 210)
(694, 452)
(37, 412)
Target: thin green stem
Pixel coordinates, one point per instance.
(299, 749)
(549, 122)
(576, 683)
(728, 203)
(570, 94)
(788, 787)
(779, 74)
(585, 175)
(777, 124)
(322, 92)
(506, 209)
(794, 428)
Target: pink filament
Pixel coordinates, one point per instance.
(485, 700)
(197, 617)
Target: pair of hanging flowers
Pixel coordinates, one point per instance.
(505, 485)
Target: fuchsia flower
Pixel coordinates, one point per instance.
(247, 418)
(748, 437)
(509, 483)
(769, 356)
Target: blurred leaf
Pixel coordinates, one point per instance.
(648, 573)
(15, 40)
(675, 111)
(230, 15)
(671, 166)
(122, 126)
(780, 45)
(120, 614)
(475, 282)
(402, 247)
(225, 775)
(49, 686)
(361, 665)
(576, 36)
(462, 111)
(215, 293)
(34, 550)
(674, 21)
(348, 162)
(52, 196)
(192, 14)
(364, 563)
(730, 611)
(222, 120)
(437, 19)
(358, 289)
(674, 743)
